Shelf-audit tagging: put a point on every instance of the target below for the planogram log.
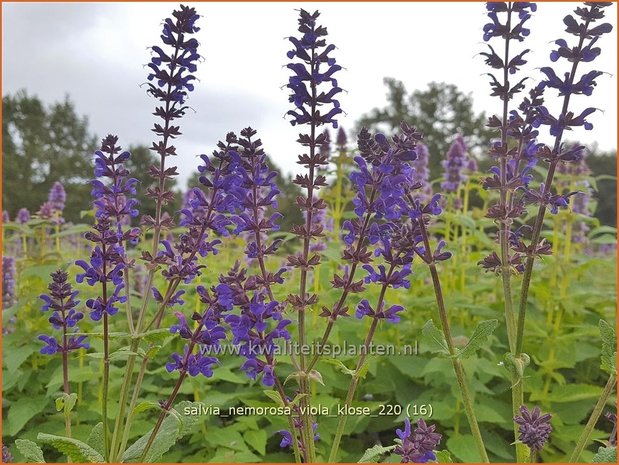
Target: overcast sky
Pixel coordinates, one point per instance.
(95, 53)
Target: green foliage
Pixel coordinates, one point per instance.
(479, 337)
(75, 450)
(609, 347)
(606, 455)
(373, 454)
(30, 450)
(176, 425)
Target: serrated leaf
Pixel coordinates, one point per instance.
(339, 365)
(154, 336)
(443, 456)
(434, 337)
(75, 450)
(174, 426)
(30, 450)
(606, 455)
(609, 347)
(21, 412)
(274, 396)
(372, 454)
(96, 440)
(146, 405)
(479, 337)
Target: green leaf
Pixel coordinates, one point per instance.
(30, 450)
(154, 336)
(13, 359)
(479, 337)
(434, 337)
(175, 425)
(372, 454)
(443, 456)
(274, 396)
(257, 439)
(609, 347)
(570, 393)
(75, 450)
(146, 405)
(96, 440)
(463, 447)
(339, 365)
(66, 402)
(606, 455)
(21, 412)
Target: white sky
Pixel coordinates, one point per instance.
(95, 52)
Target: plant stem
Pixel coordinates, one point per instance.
(341, 425)
(65, 375)
(355, 377)
(106, 361)
(467, 399)
(595, 415)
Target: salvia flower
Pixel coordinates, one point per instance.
(258, 327)
(418, 445)
(534, 428)
(62, 302)
(57, 196)
(312, 83)
(5, 216)
(203, 335)
(587, 34)
(9, 274)
(421, 175)
(7, 457)
(113, 190)
(171, 79)
(455, 163)
(106, 264)
(23, 216)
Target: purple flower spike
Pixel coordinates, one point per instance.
(7, 457)
(418, 445)
(57, 196)
(23, 216)
(534, 428)
(457, 160)
(314, 68)
(8, 281)
(61, 301)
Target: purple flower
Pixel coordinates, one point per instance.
(9, 274)
(57, 196)
(417, 446)
(5, 217)
(421, 175)
(23, 216)
(534, 428)
(61, 301)
(390, 314)
(7, 457)
(612, 417)
(112, 189)
(456, 161)
(313, 70)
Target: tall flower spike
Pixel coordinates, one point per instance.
(314, 69)
(113, 189)
(57, 196)
(8, 281)
(588, 34)
(171, 80)
(61, 301)
(454, 165)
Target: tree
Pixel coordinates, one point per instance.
(41, 145)
(603, 167)
(439, 112)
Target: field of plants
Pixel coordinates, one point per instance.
(465, 317)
